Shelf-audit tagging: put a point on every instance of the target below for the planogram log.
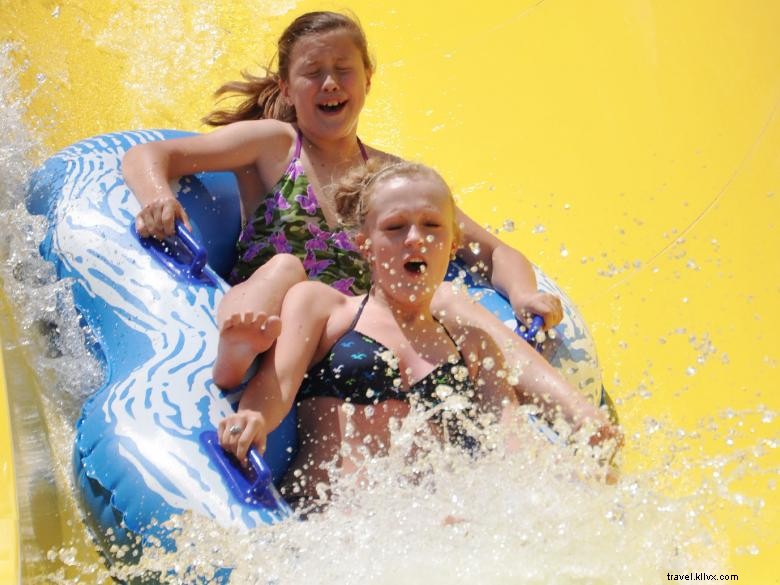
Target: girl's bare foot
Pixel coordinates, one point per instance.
(241, 338)
(247, 317)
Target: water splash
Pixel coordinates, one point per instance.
(451, 518)
(45, 316)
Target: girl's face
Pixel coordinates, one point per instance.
(327, 84)
(408, 236)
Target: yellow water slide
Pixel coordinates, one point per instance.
(629, 148)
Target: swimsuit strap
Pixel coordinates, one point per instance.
(298, 143)
(360, 312)
(363, 306)
(363, 151)
(452, 339)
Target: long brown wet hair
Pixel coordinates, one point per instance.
(262, 95)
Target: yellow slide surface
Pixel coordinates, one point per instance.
(631, 149)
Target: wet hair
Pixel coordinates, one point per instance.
(352, 194)
(262, 94)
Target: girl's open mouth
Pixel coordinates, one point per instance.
(332, 107)
(415, 266)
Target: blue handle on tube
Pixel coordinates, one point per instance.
(181, 255)
(198, 260)
(252, 486)
(529, 333)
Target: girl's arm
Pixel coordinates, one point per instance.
(270, 394)
(508, 270)
(148, 168)
(530, 374)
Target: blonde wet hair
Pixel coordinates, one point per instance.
(352, 194)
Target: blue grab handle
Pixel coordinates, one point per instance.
(198, 252)
(529, 333)
(182, 255)
(252, 486)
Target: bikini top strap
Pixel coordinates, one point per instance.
(363, 151)
(452, 339)
(360, 312)
(298, 143)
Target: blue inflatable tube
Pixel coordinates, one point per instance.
(145, 447)
(142, 451)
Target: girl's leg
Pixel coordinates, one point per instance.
(248, 320)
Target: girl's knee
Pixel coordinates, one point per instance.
(287, 265)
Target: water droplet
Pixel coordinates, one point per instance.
(443, 391)
(564, 251)
(538, 229)
(474, 247)
(509, 225)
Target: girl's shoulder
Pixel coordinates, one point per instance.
(463, 317)
(317, 306)
(262, 130)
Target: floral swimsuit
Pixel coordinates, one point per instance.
(290, 220)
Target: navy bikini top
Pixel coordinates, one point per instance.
(360, 370)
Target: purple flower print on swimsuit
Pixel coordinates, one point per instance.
(279, 241)
(308, 202)
(276, 201)
(252, 251)
(344, 285)
(294, 171)
(248, 233)
(313, 266)
(319, 238)
(342, 241)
